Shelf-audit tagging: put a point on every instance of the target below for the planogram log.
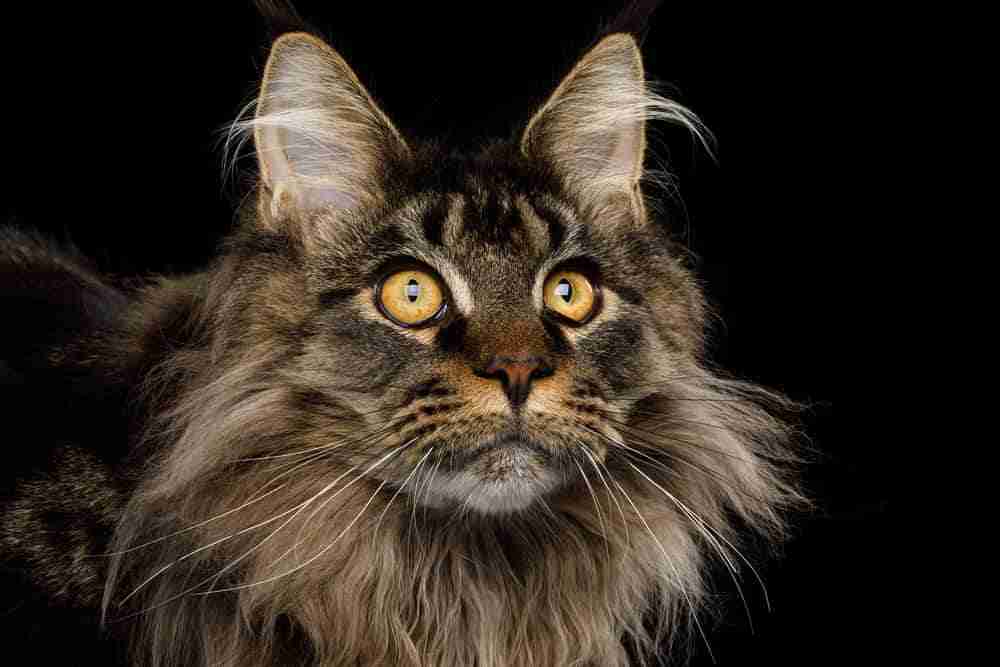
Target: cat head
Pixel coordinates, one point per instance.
(507, 308)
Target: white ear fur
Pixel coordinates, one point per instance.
(592, 129)
(321, 139)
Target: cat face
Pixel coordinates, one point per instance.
(496, 379)
(501, 312)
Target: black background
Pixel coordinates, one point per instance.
(111, 123)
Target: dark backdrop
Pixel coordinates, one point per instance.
(111, 120)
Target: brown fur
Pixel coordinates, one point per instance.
(293, 505)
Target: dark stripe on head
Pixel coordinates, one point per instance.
(613, 348)
(557, 339)
(434, 219)
(627, 294)
(267, 243)
(491, 219)
(451, 337)
(312, 401)
(555, 219)
(386, 240)
(334, 297)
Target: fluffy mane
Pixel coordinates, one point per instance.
(226, 541)
(273, 525)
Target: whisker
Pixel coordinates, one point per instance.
(697, 445)
(296, 509)
(597, 506)
(212, 544)
(429, 484)
(701, 525)
(719, 535)
(670, 563)
(327, 447)
(195, 526)
(732, 484)
(329, 546)
(701, 399)
(593, 462)
(667, 418)
(253, 500)
(326, 502)
(398, 491)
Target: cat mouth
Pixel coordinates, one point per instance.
(506, 473)
(507, 453)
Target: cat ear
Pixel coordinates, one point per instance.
(321, 140)
(592, 129)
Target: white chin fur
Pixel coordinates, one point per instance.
(516, 490)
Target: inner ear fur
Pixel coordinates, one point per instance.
(592, 128)
(322, 142)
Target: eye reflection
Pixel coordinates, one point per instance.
(412, 290)
(565, 290)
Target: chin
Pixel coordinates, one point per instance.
(504, 476)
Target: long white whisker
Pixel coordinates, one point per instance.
(611, 495)
(332, 497)
(597, 505)
(197, 525)
(679, 459)
(297, 509)
(217, 542)
(701, 525)
(321, 448)
(329, 546)
(253, 500)
(429, 483)
(691, 513)
(398, 491)
(670, 563)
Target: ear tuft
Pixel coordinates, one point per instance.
(321, 140)
(592, 129)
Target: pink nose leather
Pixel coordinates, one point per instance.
(516, 373)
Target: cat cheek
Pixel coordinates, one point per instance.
(611, 309)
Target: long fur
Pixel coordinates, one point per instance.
(263, 528)
(552, 587)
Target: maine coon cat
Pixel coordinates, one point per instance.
(425, 408)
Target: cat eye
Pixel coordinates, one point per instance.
(571, 296)
(411, 297)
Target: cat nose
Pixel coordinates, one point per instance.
(516, 373)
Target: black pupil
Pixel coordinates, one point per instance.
(412, 290)
(565, 290)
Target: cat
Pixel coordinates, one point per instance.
(424, 408)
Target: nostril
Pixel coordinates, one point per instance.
(484, 372)
(543, 370)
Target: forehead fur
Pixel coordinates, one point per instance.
(496, 201)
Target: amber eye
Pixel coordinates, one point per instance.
(411, 297)
(571, 295)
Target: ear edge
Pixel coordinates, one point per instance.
(280, 44)
(587, 93)
(282, 55)
(287, 40)
(622, 42)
